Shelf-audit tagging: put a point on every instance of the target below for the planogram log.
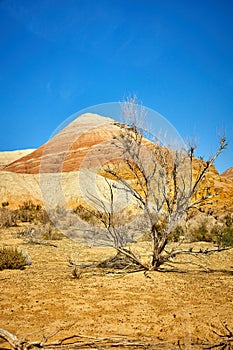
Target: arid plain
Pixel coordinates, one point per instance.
(184, 306)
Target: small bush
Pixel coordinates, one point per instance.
(228, 219)
(8, 218)
(52, 235)
(224, 237)
(201, 233)
(49, 232)
(176, 235)
(85, 214)
(223, 234)
(26, 211)
(29, 205)
(12, 258)
(30, 212)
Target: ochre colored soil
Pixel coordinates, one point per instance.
(164, 306)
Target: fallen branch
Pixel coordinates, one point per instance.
(82, 342)
(72, 342)
(31, 241)
(194, 252)
(226, 340)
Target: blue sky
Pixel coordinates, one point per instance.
(60, 56)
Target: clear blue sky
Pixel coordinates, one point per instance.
(60, 56)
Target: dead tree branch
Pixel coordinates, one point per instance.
(226, 340)
(82, 342)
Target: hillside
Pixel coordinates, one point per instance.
(8, 157)
(228, 174)
(82, 147)
(66, 150)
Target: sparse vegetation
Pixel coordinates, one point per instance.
(12, 258)
(50, 233)
(8, 217)
(222, 232)
(30, 212)
(34, 233)
(177, 234)
(85, 214)
(202, 233)
(27, 212)
(222, 236)
(225, 238)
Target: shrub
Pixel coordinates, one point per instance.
(83, 213)
(12, 258)
(228, 219)
(224, 237)
(201, 233)
(175, 235)
(26, 211)
(29, 205)
(8, 217)
(52, 235)
(93, 217)
(30, 212)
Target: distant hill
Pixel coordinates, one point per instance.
(8, 157)
(70, 146)
(228, 173)
(85, 143)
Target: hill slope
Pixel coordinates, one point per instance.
(228, 173)
(66, 151)
(8, 157)
(85, 144)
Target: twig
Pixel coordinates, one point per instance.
(226, 342)
(31, 241)
(71, 342)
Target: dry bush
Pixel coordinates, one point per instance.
(12, 258)
(177, 234)
(226, 238)
(30, 212)
(202, 233)
(27, 212)
(8, 217)
(50, 233)
(223, 236)
(86, 215)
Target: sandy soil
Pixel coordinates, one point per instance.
(166, 306)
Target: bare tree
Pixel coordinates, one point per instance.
(165, 182)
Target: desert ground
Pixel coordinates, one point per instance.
(162, 306)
